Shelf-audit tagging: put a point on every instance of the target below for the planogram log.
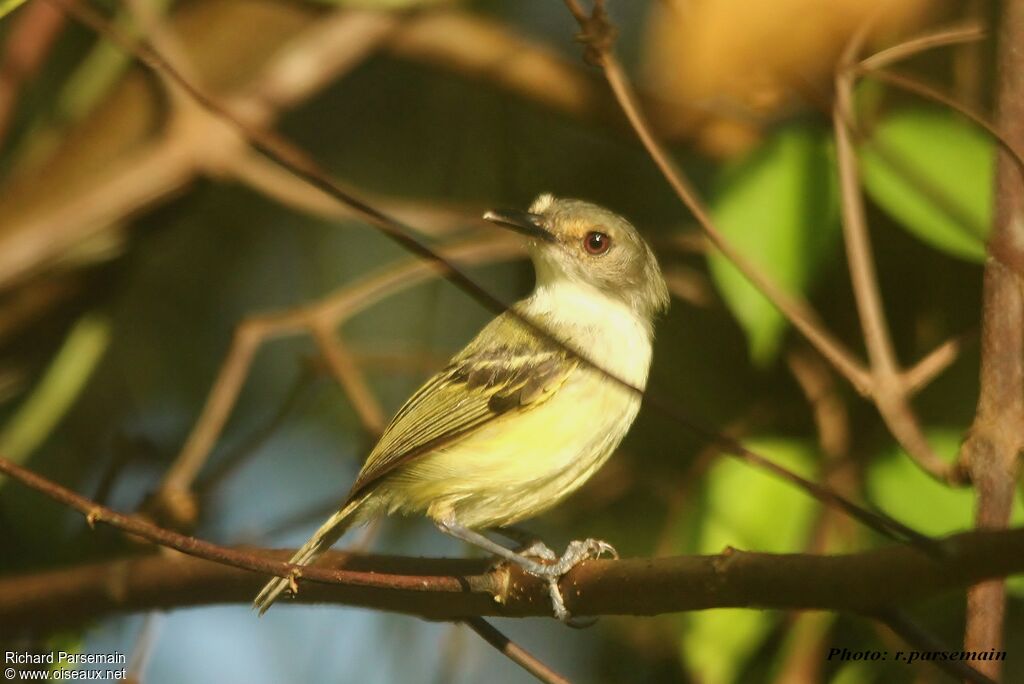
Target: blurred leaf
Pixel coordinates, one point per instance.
(750, 509)
(94, 77)
(779, 208)
(933, 172)
(8, 6)
(56, 391)
(904, 491)
(901, 489)
(717, 643)
(65, 642)
(852, 673)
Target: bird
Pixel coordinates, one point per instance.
(530, 409)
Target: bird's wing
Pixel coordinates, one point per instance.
(505, 370)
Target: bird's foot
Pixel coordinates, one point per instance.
(577, 552)
(540, 550)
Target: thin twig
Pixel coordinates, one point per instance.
(924, 642)
(350, 377)
(219, 471)
(807, 632)
(597, 34)
(932, 364)
(514, 652)
(794, 309)
(888, 386)
(966, 32)
(926, 91)
(270, 180)
(830, 415)
(95, 513)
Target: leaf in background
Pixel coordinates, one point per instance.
(852, 673)
(746, 508)
(8, 6)
(56, 391)
(933, 172)
(779, 208)
(901, 489)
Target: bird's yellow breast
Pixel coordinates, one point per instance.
(523, 463)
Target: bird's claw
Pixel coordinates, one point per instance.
(583, 550)
(575, 553)
(539, 550)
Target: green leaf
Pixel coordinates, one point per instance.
(901, 489)
(750, 509)
(55, 393)
(8, 6)
(933, 172)
(716, 643)
(904, 491)
(779, 208)
(852, 673)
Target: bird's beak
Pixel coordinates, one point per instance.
(523, 222)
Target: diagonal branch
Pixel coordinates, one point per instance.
(345, 369)
(889, 387)
(514, 652)
(926, 91)
(966, 32)
(794, 309)
(883, 381)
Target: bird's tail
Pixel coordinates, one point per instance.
(322, 539)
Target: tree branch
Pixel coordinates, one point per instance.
(888, 383)
(514, 652)
(451, 589)
(597, 35)
(996, 437)
(448, 589)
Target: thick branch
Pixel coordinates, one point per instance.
(996, 438)
(450, 589)
(868, 582)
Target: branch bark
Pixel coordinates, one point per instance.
(868, 583)
(996, 437)
(451, 589)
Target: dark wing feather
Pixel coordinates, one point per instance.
(505, 369)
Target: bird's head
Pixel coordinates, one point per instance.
(576, 240)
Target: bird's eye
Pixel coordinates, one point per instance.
(596, 243)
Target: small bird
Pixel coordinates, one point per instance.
(524, 415)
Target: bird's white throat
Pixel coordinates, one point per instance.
(601, 327)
